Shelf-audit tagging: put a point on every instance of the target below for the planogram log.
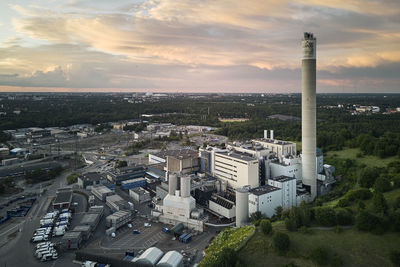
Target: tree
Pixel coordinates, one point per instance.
(325, 216)
(121, 163)
(368, 177)
(304, 214)
(256, 216)
(382, 184)
(266, 226)
(281, 242)
(278, 212)
(319, 256)
(343, 217)
(366, 221)
(227, 258)
(379, 203)
(395, 258)
(290, 224)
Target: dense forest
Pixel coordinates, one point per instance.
(375, 134)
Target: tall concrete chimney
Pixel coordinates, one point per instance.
(308, 113)
(172, 183)
(265, 134)
(272, 134)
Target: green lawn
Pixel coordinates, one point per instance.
(351, 153)
(353, 247)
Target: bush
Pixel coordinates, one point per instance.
(266, 226)
(336, 262)
(227, 258)
(325, 216)
(72, 178)
(359, 194)
(397, 203)
(344, 202)
(319, 256)
(366, 221)
(395, 219)
(281, 242)
(382, 184)
(343, 217)
(368, 177)
(395, 258)
(290, 224)
(278, 212)
(379, 203)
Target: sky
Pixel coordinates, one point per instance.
(198, 45)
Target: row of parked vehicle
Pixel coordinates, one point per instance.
(46, 251)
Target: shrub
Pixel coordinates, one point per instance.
(319, 256)
(395, 219)
(305, 230)
(395, 258)
(359, 194)
(382, 184)
(343, 217)
(281, 242)
(336, 261)
(366, 221)
(397, 203)
(266, 226)
(290, 224)
(278, 211)
(227, 258)
(344, 202)
(368, 177)
(72, 178)
(325, 216)
(379, 203)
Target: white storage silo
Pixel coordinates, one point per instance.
(242, 206)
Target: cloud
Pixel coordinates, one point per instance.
(229, 43)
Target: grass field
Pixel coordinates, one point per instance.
(351, 153)
(353, 248)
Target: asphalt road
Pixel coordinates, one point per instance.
(19, 250)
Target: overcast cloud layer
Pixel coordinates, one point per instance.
(198, 45)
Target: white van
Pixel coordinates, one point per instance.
(40, 252)
(42, 244)
(49, 256)
(60, 232)
(40, 238)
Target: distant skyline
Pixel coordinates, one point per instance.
(198, 45)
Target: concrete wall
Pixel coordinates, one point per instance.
(227, 213)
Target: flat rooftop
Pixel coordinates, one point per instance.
(180, 153)
(63, 197)
(283, 178)
(265, 189)
(91, 176)
(89, 218)
(238, 155)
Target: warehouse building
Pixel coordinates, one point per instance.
(63, 198)
(126, 173)
(90, 179)
(132, 183)
(91, 219)
(150, 257)
(101, 192)
(84, 230)
(116, 203)
(71, 240)
(118, 219)
(140, 194)
(171, 259)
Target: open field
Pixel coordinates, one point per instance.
(351, 153)
(352, 247)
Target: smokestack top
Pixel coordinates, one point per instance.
(309, 44)
(309, 36)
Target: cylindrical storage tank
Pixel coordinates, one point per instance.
(266, 134)
(185, 186)
(242, 206)
(272, 135)
(173, 180)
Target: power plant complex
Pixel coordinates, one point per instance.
(232, 182)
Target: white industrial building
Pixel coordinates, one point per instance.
(171, 259)
(237, 169)
(179, 206)
(265, 199)
(150, 257)
(288, 190)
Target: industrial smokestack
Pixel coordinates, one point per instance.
(265, 134)
(308, 113)
(242, 206)
(172, 183)
(272, 135)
